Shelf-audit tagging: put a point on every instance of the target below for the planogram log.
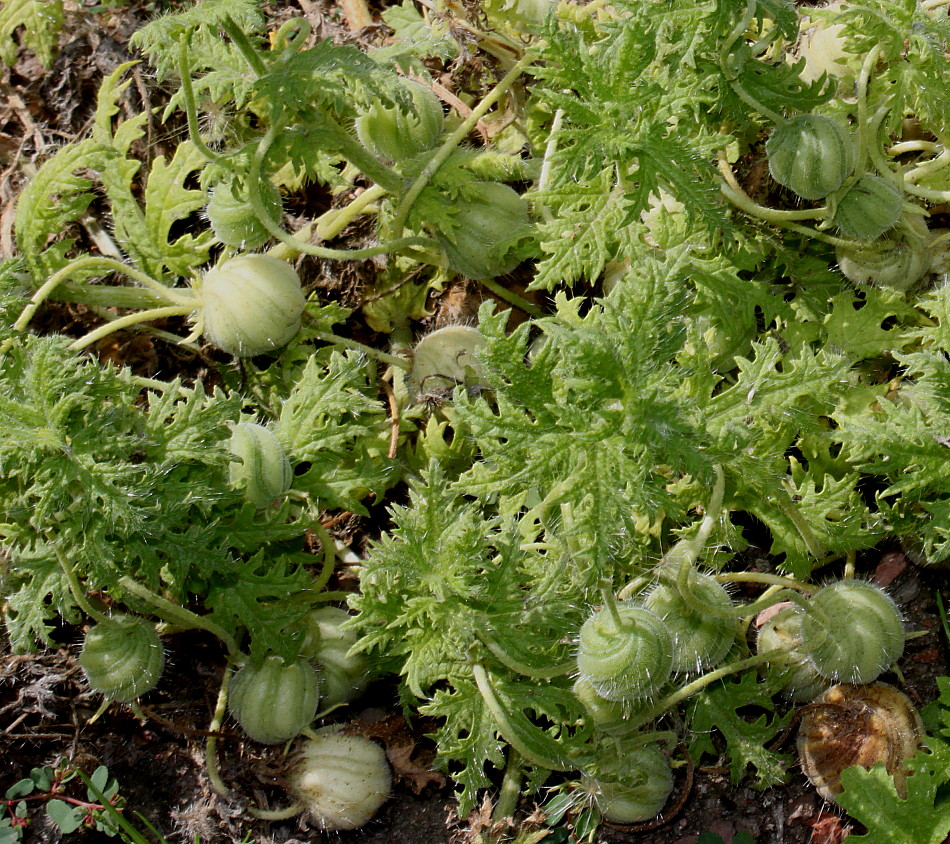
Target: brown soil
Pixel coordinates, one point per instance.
(46, 713)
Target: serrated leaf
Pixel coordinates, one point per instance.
(168, 201)
(414, 39)
(54, 199)
(42, 21)
(717, 708)
(923, 816)
(253, 595)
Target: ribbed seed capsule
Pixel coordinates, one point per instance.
(811, 154)
(870, 207)
(252, 304)
(122, 658)
(341, 780)
(628, 662)
(701, 638)
(275, 700)
(855, 633)
(264, 472)
(342, 674)
(783, 631)
(633, 786)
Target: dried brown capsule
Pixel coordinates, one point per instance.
(857, 725)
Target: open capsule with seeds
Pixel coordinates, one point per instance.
(852, 725)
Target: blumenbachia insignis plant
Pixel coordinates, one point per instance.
(748, 326)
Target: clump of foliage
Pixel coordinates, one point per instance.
(717, 343)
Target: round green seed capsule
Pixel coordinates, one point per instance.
(629, 662)
(122, 658)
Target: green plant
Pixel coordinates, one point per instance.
(51, 786)
(810, 153)
(341, 780)
(122, 657)
(580, 487)
(275, 700)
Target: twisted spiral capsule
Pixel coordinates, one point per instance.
(703, 632)
(629, 661)
(855, 632)
(122, 657)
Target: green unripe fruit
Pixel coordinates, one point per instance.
(853, 632)
(395, 133)
(811, 154)
(613, 717)
(251, 305)
(629, 662)
(233, 219)
(701, 638)
(264, 472)
(122, 658)
(868, 208)
(341, 780)
(633, 786)
(445, 359)
(487, 226)
(802, 681)
(897, 264)
(275, 700)
(342, 674)
(520, 15)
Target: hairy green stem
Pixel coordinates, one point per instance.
(523, 668)
(610, 604)
(743, 202)
(876, 153)
(188, 95)
(107, 296)
(453, 140)
(276, 814)
(211, 743)
(329, 557)
(771, 215)
(505, 727)
(772, 597)
(765, 578)
(364, 161)
(510, 791)
(511, 297)
(75, 587)
(243, 43)
(177, 614)
(700, 683)
(127, 320)
(99, 262)
(356, 346)
(683, 554)
(332, 222)
(862, 96)
(275, 229)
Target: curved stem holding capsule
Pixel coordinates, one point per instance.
(128, 320)
(90, 262)
(449, 145)
(276, 230)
